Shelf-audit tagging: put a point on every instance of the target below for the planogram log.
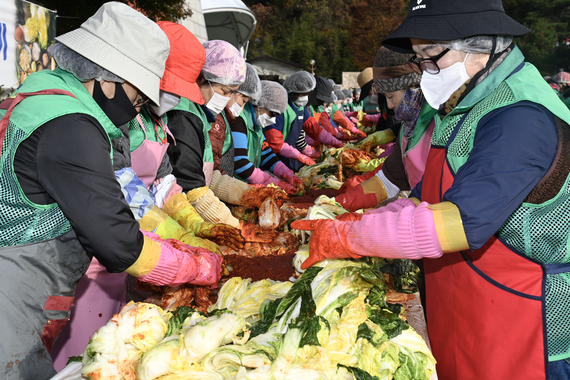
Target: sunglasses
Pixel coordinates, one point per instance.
(429, 65)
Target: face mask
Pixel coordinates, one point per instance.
(350, 101)
(373, 99)
(167, 102)
(345, 101)
(217, 103)
(264, 120)
(409, 109)
(302, 101)
(235, 109)
(120, 109)
(437, 88)
(328, 110)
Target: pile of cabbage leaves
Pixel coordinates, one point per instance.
(331, 323)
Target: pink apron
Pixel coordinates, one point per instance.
(415, 159)
(98, 296)
(146, 159)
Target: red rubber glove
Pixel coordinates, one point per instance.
(352, 182)
(305, 160)
(356, 199)
(326, 241)
(349, 216)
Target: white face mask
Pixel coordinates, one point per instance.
(437, 88)
(328, 110)
(217, 103)
(345, 101)
(167, 102)
(302, 101)
(350, 101)
(264, 120)
(373, 99)
(235, 109)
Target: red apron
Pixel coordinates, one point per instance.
(485, 309)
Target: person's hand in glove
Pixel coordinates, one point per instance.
(349, 216)
(259, 177)
(182, 211)
(282, 171)
(236, 192)
(400, 230)
(172, 263)
(375, 139)
(325, 241)
(305, 160)
(352, 182)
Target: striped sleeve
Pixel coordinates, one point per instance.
(243, 166)
(301, 142)
(268, 159)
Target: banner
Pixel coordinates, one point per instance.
(26, 31)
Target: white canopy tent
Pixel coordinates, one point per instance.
(229, 20)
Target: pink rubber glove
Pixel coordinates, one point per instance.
(357, 131)
(310, 140)
(310, 152)
(328, 139)
(397, 231)
(351, 114)
(290, 152)
(372, 118)
(180, 264)
(259, 177)
(282, 171)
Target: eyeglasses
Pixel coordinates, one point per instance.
(144, 100)
(429, 65)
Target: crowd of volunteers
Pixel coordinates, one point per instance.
(120, 164)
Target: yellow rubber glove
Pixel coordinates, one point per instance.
(179, 209)
(160, 223)
(365, 167)
(375, 139)
(210, 208)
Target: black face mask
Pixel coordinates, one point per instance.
(119, 109)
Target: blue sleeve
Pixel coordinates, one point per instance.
(268, 159)
(279, 123)
(513, 150)
(243, 167)
(417, 191)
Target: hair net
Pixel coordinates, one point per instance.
(273, 97)
(300, 82)
(387, 58)
(334, 97)
(562, 77)
(339, 94)
(337, 87)
(347, 93)
(478, 44)
(357, 91)
(224, 63)
(81, 68)
(252, 85)
(332, 82)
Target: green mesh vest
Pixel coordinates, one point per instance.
(254, 135)
(189, 106)
(21, 221)
(539, 231)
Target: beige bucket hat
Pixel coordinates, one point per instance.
(124, 42)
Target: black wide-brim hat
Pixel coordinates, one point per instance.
(446, 20)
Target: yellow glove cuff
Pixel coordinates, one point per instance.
(148, 259)
(152, 219)
(194, 194)
(375, 186)
(213, 210)
(449, 227)
(383, 137)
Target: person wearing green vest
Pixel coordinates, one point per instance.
(563, 80)
(490, 216)
(253, 163)
(61, 202)
(221, 135)
(191, 157)
(404, 167)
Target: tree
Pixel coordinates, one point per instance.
(72, 13)
(372, 21)
(547, 45)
